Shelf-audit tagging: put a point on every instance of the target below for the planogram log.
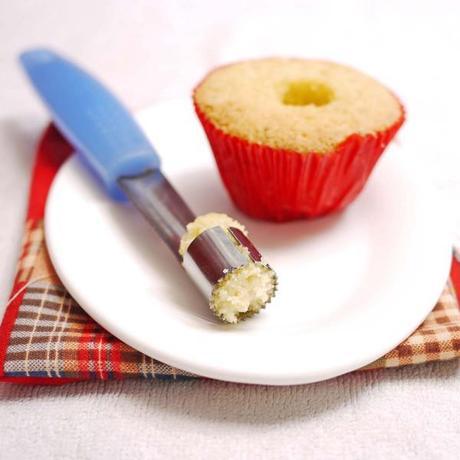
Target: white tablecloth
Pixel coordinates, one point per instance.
(148, 51)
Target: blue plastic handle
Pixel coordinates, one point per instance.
(91, 118)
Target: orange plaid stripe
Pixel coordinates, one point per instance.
(31, 244)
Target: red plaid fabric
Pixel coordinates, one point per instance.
(46, 338)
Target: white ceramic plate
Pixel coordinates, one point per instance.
(352, 286)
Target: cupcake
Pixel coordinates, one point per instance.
(295, 138)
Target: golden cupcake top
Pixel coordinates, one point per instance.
(295, 104)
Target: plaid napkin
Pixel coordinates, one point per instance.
(46, 338)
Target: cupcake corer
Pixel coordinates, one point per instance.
(218, 256)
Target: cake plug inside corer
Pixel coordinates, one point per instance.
(213, 249)
(216, 254)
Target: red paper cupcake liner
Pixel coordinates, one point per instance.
(281, 185)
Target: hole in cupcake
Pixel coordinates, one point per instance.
(306, 92)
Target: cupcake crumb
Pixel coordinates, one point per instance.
(205, 222)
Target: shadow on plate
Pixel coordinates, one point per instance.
(158, 259)
(205, 192)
